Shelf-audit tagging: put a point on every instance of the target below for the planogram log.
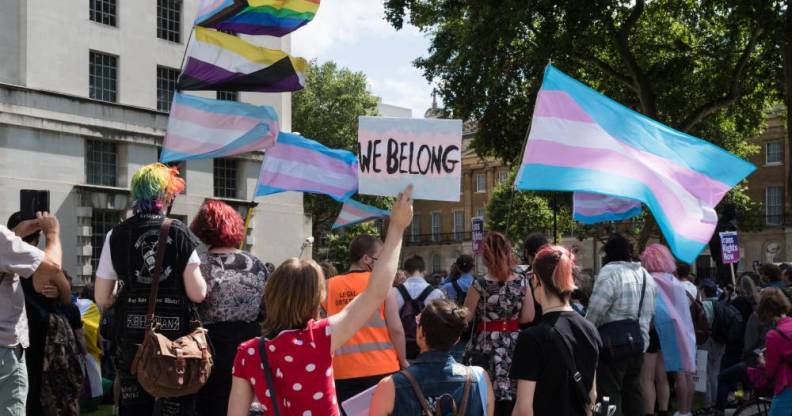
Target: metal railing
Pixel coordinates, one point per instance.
(437, 238)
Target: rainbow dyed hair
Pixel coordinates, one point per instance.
(658, 259)
(153, 185)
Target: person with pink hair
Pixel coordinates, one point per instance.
(672, 346)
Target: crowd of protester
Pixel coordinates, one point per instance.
(538, 338)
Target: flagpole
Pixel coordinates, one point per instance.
(514, 185)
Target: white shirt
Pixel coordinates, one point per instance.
(690, 288)
(105, 269)
(415, 285)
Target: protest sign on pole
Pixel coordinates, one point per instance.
(730, 250)
(477, 230)
(396, 152)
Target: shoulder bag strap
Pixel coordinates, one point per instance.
(418, 392)
(162, 244)
(466, 392)
(268, 376)
(457, 287)
(643, 292)
(569, 360)
(425, 294)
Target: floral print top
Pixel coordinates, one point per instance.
(234, 287)
(499, 301)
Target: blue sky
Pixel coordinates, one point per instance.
(354, 34)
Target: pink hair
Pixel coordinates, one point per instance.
(554, 264)
(658, 259)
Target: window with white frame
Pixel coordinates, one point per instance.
(481, 183)
(774, 205)
(228, 95)
(166, 86)
(225, 178)
(101, 162)
(774, 153)
(437, 265)
(103, 11)
(415, 228)
(481, 212)
(503, 175)
(103, 76)
(459, 224)
(436, 226)
(169, 20)
(102, 221)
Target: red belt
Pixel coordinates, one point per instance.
(511, 325)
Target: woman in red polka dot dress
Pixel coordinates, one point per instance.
(298, 346)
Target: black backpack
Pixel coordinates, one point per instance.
(727, 323)
(407, 313)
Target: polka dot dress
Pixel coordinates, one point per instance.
(302, 370)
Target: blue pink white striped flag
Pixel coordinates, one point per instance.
(295, 163)
(674, 324)
(591, 208)
(200, 128)
(354, 212)
(582, 141)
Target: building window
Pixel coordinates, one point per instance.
(166, 85)
(103, 11)
(481, 212)
(774, 205)
(459, 225)
(436, 264)
(503, 175)
(481, 183)
(103, 76)
(415, 228)
(102, 220)
(436, 218)
(169, 20)
(774, 153)
(100, 162)
(228, 95)
(225, 178)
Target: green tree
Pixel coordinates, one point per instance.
(701, 67)
(327, 111)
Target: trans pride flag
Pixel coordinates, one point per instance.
(218, 61)
(256, 17)
(354, 212)
(295, 163)
(674, 324)
(593, 208)
(200, 128)
(582, 141)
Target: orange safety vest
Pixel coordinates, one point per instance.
(370, 351)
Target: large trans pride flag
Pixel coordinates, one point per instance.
(583, 141)
(674, 325)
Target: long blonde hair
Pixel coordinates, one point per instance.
(292, 295)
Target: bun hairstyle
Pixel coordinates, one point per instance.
(498, 256)
(553, 266)
(443, 322)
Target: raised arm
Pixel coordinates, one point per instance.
(50, 269)
(345, 323)
(395, 328)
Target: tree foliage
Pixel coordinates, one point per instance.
(327, 111)
(703, 67)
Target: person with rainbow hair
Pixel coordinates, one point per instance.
(129, 255)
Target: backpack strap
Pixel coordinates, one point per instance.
(466, 392)
(155, 277)
(425, 294)
(427, 411)
(457, 287)
(268, 376)
(643, 292)
(404, 293)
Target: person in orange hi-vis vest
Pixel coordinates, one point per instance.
(376, 350)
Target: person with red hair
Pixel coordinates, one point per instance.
(233, 306)
(563, 348)
(499, 304)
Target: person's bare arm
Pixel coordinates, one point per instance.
(240, 398)
(64, 288)
(528, 312)
(471, 303)
(50, 268)
(103, 292)
(525, 393)
(383, 397)
(395, 328)
(592, 395)
(347, 322)
(194, 283)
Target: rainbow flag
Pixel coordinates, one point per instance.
(354, 212)
(200, 128)
(674, 324)
(218, 61)
(582, 141)
(591, 208)
(295, 163)
(256, 17)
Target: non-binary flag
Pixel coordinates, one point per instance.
(591, 208)
(354, 212)
(295, 163)
(218, 61)
(200, 128)
(582, 141)
(256, 17)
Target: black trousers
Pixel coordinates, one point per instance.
(224, 337)
(134, 401)
(621, 382)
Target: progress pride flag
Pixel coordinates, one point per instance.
(395, 152)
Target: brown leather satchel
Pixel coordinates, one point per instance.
(166, 368)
